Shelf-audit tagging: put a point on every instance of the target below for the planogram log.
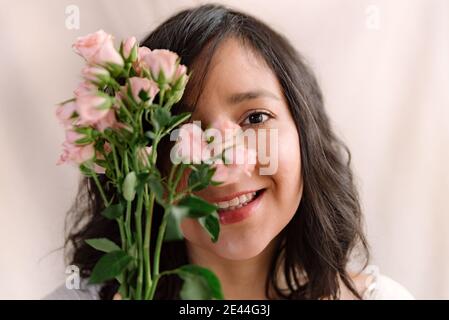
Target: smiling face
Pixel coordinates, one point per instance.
(241, 89)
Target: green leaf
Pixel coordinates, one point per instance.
(85, 169)
(129, 186)
(142, 179)
(109, 266)
(113, 211)
(156, 186)
(178, 119)
(197, 206)
(102, 244)
(205, 212)
(150, 134)
(201, 177)
(199, 283)
(84, 140)
(211, 224)
(173, 230)
(161, 117)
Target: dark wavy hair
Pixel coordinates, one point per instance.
(327, 228)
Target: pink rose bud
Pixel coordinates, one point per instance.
(141, 52)
(98, 48)
(107, 147)
(92, 108)
(99, 169)
(144, 154)
(65, 112)
(149, 87)
(128, 47)
(72, 136)
(108, 121)
(84, 88)
(161, 60)
(76, 154)
(95, 74)
(180, 77)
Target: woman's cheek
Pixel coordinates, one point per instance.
(288, 179)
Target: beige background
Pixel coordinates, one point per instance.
(383, 66)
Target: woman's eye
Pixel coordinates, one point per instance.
(256, 118)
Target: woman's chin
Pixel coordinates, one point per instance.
(238, 249)
(231, 244)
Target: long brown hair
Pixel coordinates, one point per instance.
(317, 243)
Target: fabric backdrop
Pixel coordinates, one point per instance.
(383, 66)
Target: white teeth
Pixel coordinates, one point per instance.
(222, 205)
(236, 202)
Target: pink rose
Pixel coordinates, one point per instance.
(84, 88)
(161, 60)
(76, 154)
(108, 121)
(225, 134)
(180, 74)
(240, 161)
(190, 145)
(94, 74)
(71, 136)
(64, 113)
(128, 46)
(141, 52)
(143, 84)
(92, 108)
(98, 48)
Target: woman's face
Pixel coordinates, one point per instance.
(241, 89)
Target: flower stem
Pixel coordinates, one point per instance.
(117, 170)
(128, 206)
(160, 238)
(157, 254)
(100, 189)
(138, 217)
(149, 205)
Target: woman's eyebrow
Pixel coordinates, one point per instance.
(239, 97)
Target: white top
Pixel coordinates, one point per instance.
(381, 287)
(378, 287)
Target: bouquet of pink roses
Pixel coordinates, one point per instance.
(114, 124)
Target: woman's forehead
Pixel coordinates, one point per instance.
(235, 70)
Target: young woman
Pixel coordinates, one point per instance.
(302, 227)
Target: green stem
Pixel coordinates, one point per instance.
(128, 206)
(161, 97)
(100, 189)
(128, 114)
(178, 176)
(149, 205)
(153, 288)
(122, 232)
(156, 280)
(138, 217)
(148, 223)
(160, 238)
(117, 170)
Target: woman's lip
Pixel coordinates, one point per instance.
(237, 215)
(231, 196)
